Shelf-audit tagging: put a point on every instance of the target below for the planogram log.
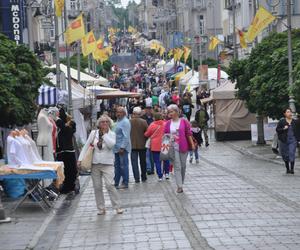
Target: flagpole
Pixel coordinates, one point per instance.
(57, 51)
(70, 106)
(290, 57)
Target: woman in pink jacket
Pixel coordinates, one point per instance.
(180, 130)
(155, 132)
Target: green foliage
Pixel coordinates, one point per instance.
(262, 79)
(104, 69)
(20, 79)
(73, 62)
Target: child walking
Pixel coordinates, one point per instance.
(197, 138)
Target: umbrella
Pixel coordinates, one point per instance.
(117, 94)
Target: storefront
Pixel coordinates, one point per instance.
(12, 19)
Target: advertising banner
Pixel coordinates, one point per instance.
(13, 19)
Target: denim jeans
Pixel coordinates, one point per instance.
(135, 155)
(157, 162)
(195, 152)
(149, 160)
(166, 167)
(121, 168)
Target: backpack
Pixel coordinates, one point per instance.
(167, 98)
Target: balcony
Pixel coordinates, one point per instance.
(199, 5)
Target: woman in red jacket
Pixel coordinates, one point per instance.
(155, 132)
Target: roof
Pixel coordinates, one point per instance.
(83, 76)
(225, 91)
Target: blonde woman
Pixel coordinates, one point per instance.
(103, 140)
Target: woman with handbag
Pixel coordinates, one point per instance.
(181, 142)
(155, 133)
(100, 143)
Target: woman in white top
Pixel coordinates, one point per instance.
(103, 140)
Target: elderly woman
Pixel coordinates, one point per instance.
(180, 130)
(103, 140)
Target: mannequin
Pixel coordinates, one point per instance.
(16, 155)
(44, 140)
(53, 115)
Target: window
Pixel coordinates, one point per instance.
(73, 4)
(201, 25)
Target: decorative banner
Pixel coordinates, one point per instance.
(243, 42)
(88, 43)
(178, 54)
(100, 43)
(75, 31)
(186, 53)
(170, 53)
(59, 6)
(161, 50)
(214, 41)
(203, 69)
(261, 20)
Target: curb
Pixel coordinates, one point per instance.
(245, 151)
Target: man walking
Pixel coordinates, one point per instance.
(122, 148)
(138, 141)
(202, 118)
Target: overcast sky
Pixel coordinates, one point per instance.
(125, 2)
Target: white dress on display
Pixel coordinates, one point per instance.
(33, 151)
(44, 140)
(16, 151)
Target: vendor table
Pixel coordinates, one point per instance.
(33, 187)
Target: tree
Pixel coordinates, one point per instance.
(262, 79)
(20, 79)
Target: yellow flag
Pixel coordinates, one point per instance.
(261, 20)
(100, 55)
(243, 42)
(214, 41)
(88, 43)
(108, 50)
(75, 31)
(178, 54)
(99, 43)
(186, 53)
(170, 53)
(59, 6)
(161, 50)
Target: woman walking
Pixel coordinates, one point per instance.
(288, 135)
(103, 141)
(155, 132)
(180, 130)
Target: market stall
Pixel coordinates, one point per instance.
(84, 78)
(231, 116)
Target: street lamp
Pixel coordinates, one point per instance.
(273, 4)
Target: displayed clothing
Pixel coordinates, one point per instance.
(54, 134)
(17, 154)
(44, 139)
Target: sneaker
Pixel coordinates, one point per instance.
(122, 187)
(119, 211)
(197, 161)
(179, 190)
(102, 212)
(191, 160)
(167, 176)
(206, 144)
(160, 179)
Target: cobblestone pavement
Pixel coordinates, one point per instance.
(230, 201)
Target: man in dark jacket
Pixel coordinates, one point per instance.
(202, 118)
(138, 141)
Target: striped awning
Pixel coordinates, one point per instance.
(47, 96)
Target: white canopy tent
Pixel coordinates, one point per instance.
(90, 80)
(168, 66)
(193, 80)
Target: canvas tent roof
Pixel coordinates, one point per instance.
(83, 76)
(225, 91)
